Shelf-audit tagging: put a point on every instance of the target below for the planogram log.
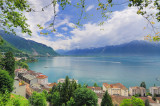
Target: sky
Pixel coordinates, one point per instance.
(123, 26)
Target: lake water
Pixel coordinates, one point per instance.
(128, 70)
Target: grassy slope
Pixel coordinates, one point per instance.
(23, 100)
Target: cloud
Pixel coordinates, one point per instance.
(65, 28)
(59, 35)
(90, 7)
(123, 27)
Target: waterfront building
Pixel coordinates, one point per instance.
(154, 90)
(137, 90)
(30, 79)
(19, 72)
(95, 89)
(115, 89)
(62, 80)
(42, 79)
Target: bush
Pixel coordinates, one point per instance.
(85, 96)
(6, 82)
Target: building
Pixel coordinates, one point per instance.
(34, 73)
(137, 90)
(19, 72)
(95, 89)
(42, 79)
(62, 80)
(49, 86)
(154, 90)
(30, 79)
(117, 100)
(115, 89)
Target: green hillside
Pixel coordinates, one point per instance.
(5, 47)
(28, 46)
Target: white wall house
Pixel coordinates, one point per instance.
(154, 90)
(137, 90)
(95, 89)
(115, 89)
(42, 79)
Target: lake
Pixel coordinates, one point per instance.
(128, 70)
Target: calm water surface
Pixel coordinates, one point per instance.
(128, 70)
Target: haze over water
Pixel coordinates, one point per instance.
(128, 70)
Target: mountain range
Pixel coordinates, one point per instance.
(136, 47)
(27, 46)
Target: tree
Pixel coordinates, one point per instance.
(66, 89)
(71, 102)
(85, 96)
(38, 99)
(6, 82)
(55, 99)
(132, 102)
(9, 63)
(4, 98)
(147, 102)
(106, 100)
(143, 85)
(11, 16)
(95, 85)
(24, 65)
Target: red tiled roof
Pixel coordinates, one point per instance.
(34, 73)
(52, 84)
(95, 88)
(137, 87)
(116, 85)
(118, 99)
(42, 76)
(150, 99)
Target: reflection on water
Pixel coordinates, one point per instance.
(129, 71)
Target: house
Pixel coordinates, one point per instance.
(42, 79)
(49, 86)
(19, 72)
(95, 89)
(115, 89)
(117, 100)
(52, 84)
(137, 90)
(30, 79)
(154, 90)
(62, 80)
(34, 73)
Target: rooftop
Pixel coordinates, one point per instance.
(154, 87)
(116, 85)
(118, 99)
(29, 77)
(33, 73)
(95, 88)
(137, 87)
(42, 76)
(52, 84)
(36, 87)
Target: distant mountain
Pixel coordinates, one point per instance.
(28, 46)
(134, 48)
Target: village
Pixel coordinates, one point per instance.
(28, 81)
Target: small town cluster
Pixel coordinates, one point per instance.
(27, 81)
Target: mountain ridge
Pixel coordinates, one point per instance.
(28, 46)
(136, 47)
